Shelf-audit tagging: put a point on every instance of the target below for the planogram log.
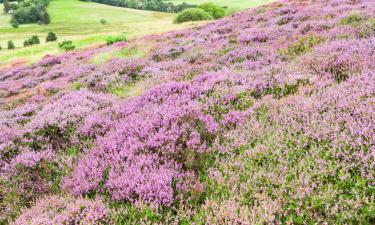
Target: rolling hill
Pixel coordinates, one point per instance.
(80, 21)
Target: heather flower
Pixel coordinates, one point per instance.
(64, 210)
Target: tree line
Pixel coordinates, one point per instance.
(151, 5)
(27, 11)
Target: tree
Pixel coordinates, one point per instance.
(11, 45)
(7, 6)
(45, 18)
(214, 10)
(51, 37)
(193, 14)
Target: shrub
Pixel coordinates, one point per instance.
(67, 45)
(11, 45)
(103, 21)
(33, 40)
(14, 23)
(214, 10)
(192, 15)
(59, 210)
(113, 39)
(51, 37)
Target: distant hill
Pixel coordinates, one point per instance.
(80, 21)
(231, 4)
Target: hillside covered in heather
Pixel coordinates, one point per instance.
(263, 117)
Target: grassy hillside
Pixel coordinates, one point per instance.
(80, 21)
(264, 117)
(231, 4)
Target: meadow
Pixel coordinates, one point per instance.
(80, 21)
(262, 117)
(233, 5)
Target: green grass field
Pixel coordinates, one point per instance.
(232, 5)
(80, 21)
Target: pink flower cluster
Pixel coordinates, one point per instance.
(55, 210)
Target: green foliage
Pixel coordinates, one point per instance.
(214, 10)
(14, 23)
(51, 37)
(33, 40)
(67, 45)
(150, 5)
(303, 45)
(7, 6)
(11, 45)
(126, 213)
(192, 15)
(114, 39)
(31, 11)
(103, 21)
(77, 86)
(351, 20)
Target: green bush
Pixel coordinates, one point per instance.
(67, 45)
(31, 11)
(33, 40)
(14, 23)
(103, 21)
(194, 14)
(113, 39)
(215, 11)
(51, 37)
(11, 45)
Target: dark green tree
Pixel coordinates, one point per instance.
(7, 6)
(51, 37)
(11, 45)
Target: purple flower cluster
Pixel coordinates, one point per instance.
(144, 149)
(60, 210)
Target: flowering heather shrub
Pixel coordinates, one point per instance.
(64, 210)
(115, 73)
(68, 109)
(339, 115)
(172, 128)
(263, 117)
(340, 59)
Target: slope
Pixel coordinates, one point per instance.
(264, 117)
